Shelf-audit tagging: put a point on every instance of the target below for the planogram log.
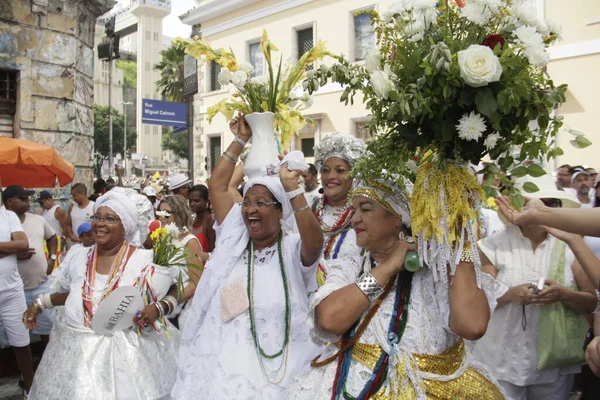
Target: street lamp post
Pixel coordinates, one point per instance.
(125, 103)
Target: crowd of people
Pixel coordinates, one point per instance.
(304, 292)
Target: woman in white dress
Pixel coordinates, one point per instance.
(247, 334)
(518, 257)
(398, 335)
(82, 364)
(334, 158)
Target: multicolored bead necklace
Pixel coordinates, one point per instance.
(250, 288)
(114, 275)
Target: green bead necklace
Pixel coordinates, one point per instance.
(286, 291)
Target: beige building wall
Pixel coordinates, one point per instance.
(576, 62)
(235, 24)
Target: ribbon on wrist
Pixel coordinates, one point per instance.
(294, 193)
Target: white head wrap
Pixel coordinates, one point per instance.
(145, 212)
(346, 147)
(389, 195)
(125, 209)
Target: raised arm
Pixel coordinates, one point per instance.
(308, 226)
(583, 221)
(218, 184)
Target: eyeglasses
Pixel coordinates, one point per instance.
(259, 205)
(107, 220)
(552, 203)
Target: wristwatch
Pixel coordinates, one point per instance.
(53, 257)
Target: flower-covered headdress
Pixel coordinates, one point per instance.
(346, 147)
(388, 194)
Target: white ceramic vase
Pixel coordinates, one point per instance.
(264, 145)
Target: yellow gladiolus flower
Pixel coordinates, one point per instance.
(158, 233)
(266, 45)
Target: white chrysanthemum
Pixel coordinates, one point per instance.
(172, 230)
(296, 93)
(529, 36)
(381, 83)
(491, 141)
(224, 77)
(163, 214)
(373, 60)
(537, 55)
(412, 166)
(424, 4)
(247, 67)
(525, 11)
(239, 78)
(554, 28)
(471, 126)
(261, 80)
(477, 13)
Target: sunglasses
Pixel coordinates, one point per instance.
(552, 203)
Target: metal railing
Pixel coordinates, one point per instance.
(125, 11)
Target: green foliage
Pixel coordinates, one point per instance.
(170, 67)
(101, 132)
(129, 73)
(177, 143)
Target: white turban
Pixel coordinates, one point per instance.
(125, 209)
(389, 195)
(144, 209)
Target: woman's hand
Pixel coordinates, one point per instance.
(526, 216)
(396, 258)
(552, 294)
(30, 317)
(289, 179)
(240, 128)
(521, 294)
(148, 315)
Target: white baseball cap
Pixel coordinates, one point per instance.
(178, 181)
(149, 191)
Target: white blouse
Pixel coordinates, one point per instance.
(507, 348)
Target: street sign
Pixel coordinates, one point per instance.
(190, 75)
(166, 113)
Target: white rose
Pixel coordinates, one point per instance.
(381, 83)
(479, 65)
(261, 80)
(224, 77)
(239, 78)
(373, 60)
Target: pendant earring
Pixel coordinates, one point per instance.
(281, 221)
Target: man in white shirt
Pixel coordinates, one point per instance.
(12, 299)
(33, 265)
(82, 210)
(311, 184)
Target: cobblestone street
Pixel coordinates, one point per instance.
(9, 389)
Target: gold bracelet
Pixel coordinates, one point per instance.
(466, 256)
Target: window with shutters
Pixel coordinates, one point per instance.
(361, 130)
(307, 145)
(214, 147)
(364, 36)
(215, 69)
(305, 41)
(256, 58)
(156, 36)
(148, 35)
(8, 101)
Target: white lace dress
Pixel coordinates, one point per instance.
(427, 330)
(218, 358)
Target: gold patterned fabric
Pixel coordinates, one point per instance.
(471, 385)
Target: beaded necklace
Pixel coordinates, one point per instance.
(114, 275)
(262, 355)
(395, 330)
(342, 223)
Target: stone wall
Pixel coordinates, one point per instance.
(50, 43)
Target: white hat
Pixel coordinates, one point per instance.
(178, 181)
(149, 191)
(579, 172)
(547, 190)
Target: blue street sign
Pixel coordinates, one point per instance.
(179, 129)
(166, 113)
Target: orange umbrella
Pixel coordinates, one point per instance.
(32, 165)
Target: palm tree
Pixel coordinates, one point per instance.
(170, 67)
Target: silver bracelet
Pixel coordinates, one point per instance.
(298, 210)
(294, 193)
(369, 286)
(240, 141)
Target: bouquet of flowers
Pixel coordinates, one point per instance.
(278, 92)
(449, 83)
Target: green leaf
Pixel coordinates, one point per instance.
(530, 187)
(535, 171)
(485, 102)
(519, 172)
(575, 133)
(581, 142)
(517, 201)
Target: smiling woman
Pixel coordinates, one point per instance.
(253, 293)
(85, 278)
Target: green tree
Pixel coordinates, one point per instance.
(170, 67)
(101, 132)
(177, 143)
(129, 73)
